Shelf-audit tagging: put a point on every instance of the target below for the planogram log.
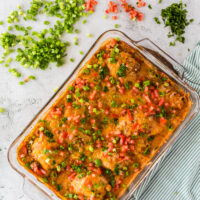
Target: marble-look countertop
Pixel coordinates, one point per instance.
(23, 102)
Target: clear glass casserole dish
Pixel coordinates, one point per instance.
(35, 189)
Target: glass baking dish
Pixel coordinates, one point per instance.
(35, 189)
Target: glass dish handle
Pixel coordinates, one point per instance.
(150, 47)
(32, 191)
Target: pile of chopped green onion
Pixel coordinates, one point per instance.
(39, 49)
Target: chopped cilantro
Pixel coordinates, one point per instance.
(121, 70)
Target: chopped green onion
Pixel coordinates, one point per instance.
(89, 35)
(71, 60)
(2, 110)
(32, 77)
(46, 22)
(84, 21)
(98, 162)
(91, 148)
(81, 52)
(117, 25)
(104, 16)
(21, 82)
(9, 60)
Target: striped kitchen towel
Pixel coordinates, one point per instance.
(178, 176)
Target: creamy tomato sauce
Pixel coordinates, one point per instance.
(106, 127)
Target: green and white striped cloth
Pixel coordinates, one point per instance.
(178, 175)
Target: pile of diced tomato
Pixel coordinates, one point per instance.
(90, 5)
(113, 8)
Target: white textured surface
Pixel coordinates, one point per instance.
(23, 102)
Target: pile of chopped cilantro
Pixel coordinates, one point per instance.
(175, 17)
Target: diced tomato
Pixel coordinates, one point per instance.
(161, 102)
(71, 188)
(108, 84)
(90, 108)
(113, 42)
(64, 126)
(112, 7)
(122, 90)
(68, 168)
(174, 111)
(42, 171)
(81, 197)
(100, 105)
(95, 74)
(34, 167)
(62, 137)
(163, 121)
(113, 115)
(106, 111)
(87, 183)
(116, 132)
(93, 121)
(126, 140)
(117, 184)
(156, 93)
(135, 126)
(114, 17)
(98, 144)
(106, 55)
(72, 176)
(92, 197)
(124, 148)
(140, 107)
(103, 94)
(110, 147)
(106, 11)
(24, 148)
(92, 85)
(141, 4)
(151, 108)
(68, 105)
(122, 138)
(37, 170)
(90, 5)
(146, 89)
(166, 104)
(129, 115)
(77, 118)
(91, 97)
(123, 112)
(135, 90)
(55, 112)
(158, 109)
(147, 98)
(106, 78)
(133, 14)
(121, 80)
(152, 95)
(132, 142)
(127, 64)
(132, 148)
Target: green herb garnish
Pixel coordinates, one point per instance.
(175, 17)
